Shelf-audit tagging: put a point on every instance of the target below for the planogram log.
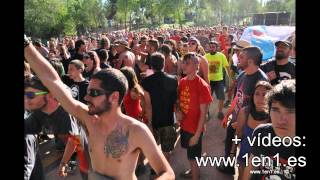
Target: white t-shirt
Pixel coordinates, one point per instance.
(235, 59)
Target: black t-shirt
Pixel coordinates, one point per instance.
(87, 75)
(176, 54)
(162, 88)
(78, 89)
(76, 55)
(283, 171)
(105, 66)
(112, 58)
(71, 51)
(283, 72)
(245, 89)
(33, 123)
(65, 63)
(58, 122)
(148, 61)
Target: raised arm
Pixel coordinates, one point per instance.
(52, 81)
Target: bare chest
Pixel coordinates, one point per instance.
(112, 145)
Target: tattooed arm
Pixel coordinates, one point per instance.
(146, 142)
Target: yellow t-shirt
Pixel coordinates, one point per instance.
(216, 63)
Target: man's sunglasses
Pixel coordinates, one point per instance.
(95, 92)
(31, 95)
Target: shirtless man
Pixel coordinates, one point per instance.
(141, 49)
(115, 140)
(193, 46)
(126, 57)
(170, 65)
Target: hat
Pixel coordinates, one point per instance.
(122, 43)
(287, 43)
(194, 39)
(34, 82)
(241, 44)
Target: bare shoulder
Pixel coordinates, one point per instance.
(203, 59)
(135, 127)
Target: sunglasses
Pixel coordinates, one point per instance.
(31, 95)
(192, 43)
(95, 92)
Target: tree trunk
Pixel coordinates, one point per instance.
(130, 23)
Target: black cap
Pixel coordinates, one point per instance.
(34, 82)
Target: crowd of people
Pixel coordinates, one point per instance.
(112, 100)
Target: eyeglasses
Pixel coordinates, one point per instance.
(95, 92)
(31, 95)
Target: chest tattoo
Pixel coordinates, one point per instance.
(116, 143)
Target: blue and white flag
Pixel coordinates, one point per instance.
(265, 36)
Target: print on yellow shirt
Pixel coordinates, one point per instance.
(214, 67)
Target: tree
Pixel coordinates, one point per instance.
(45, 18)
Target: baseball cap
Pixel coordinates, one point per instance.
(123, 43)
(34, 82)
(287, 43)
(241, 44)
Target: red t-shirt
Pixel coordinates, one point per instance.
(176, 38)
(192, 93)
(133, 107)
(223, 42)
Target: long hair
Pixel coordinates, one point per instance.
(132, 79)
(95, 58)
(252, 106)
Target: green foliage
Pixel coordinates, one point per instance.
(48, 18)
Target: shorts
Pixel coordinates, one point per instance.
(166, 136)
(192, 151)
(218, 88)
(84, 175)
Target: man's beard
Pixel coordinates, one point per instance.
(213, 52)
(242, 66)
(104, 107)
(281, 55)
